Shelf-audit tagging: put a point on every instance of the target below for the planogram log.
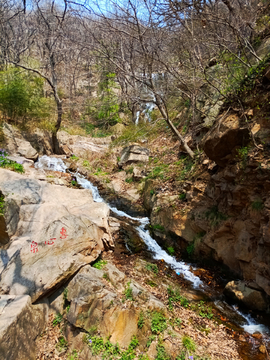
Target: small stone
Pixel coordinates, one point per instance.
(262, 349)
(242, 338)
(257, 335)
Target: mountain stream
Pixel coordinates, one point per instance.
(241, 318)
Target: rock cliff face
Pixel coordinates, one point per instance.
(225, 211)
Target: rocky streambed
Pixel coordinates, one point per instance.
(52, 237)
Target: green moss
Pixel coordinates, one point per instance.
(157, 227)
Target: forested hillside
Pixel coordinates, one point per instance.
(116, 111)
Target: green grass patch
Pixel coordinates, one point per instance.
(74, 355)
(62, 344)
(188, 343)
(161, 353)
(99, 264)
(74, 157)
(129, 180)
(257, 205)
(10, 164)
(151, 283)
(57, 320)
(110, 351)
(86, 163)
(158, 172)
(128, 292)
(182, 196)
(190, 249)
(176, 297)
(152, 267)
(171, 250)
(100, 172)
(157, 227)
(141, 320)
(158, 322)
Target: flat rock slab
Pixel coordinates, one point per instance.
(133, 154)
(83, 147)
(20, 324)
(53, 230)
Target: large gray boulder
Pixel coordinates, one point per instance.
(84, 147)
(240, 292)
(133, 154)
(89, 298)
(53, 232)
(97, 303)
(20, 324)
(26, 149)
(16, 144)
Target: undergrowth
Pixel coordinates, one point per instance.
(10, 164)
(110, 351)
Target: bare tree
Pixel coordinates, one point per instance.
(39, 35)
(134, 45)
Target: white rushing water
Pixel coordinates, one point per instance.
(251, 325)
(180, 267)
(50, 163)
(158, 253)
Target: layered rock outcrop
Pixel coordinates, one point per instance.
(224, 136)
(39, 142)
(133, 154)
(222, 214)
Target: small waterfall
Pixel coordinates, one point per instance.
(251, 325)
(158, 252)
(50, 163)
(88, 185)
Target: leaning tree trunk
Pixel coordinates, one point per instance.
(173, 128)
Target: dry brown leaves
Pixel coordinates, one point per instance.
(47, 343)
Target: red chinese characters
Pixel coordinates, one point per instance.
(63, 233)
(34, 247)
(50, 242)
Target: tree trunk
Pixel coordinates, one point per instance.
(174, 130)
(55, 142)
(134, 112)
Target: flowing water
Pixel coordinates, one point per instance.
(247, 322)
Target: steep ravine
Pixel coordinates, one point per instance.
(231, 314)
